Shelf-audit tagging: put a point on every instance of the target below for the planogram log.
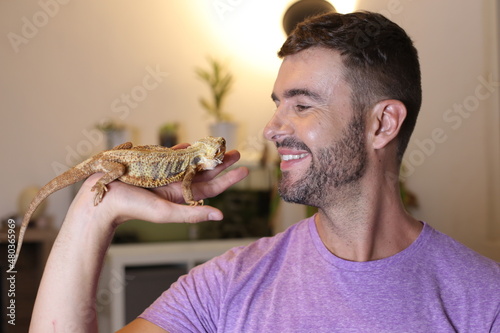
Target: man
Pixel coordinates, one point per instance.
(347, 97)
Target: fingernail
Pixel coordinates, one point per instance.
(214, 217)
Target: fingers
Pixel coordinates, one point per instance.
(125, 202)
(220, 184)
(158, 210)
(207, 185)
(230, 158)
(181, 146)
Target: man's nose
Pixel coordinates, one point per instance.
(277, 127)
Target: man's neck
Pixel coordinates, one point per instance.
(368, 226)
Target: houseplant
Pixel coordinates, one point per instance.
(220, 82)
(115, 132)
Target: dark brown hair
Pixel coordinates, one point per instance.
(380, 61)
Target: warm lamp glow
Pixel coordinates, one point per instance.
(247, 30)
(251, 30)
(344, 6)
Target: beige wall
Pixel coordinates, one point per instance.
(67, 65)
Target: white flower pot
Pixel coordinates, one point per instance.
(228, 130)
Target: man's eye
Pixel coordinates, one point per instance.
(301, 107)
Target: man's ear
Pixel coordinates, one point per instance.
(385, 121)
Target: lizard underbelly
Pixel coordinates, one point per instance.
(159, 173)
(151, 182)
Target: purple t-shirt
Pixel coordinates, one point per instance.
(292, 283)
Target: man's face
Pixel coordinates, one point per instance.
(319, 137)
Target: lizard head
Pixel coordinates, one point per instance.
(212, 150)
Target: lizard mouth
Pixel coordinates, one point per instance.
(219, 156)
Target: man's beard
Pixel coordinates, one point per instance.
(333, 169)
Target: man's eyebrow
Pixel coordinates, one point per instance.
(298, 92)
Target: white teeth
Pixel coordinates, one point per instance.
(292, 157)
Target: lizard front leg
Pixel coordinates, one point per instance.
(112, 171)
(187, 192)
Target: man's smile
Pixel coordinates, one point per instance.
(292, 157)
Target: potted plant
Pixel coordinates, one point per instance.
(168, 134)
(220, 81)
(115, 132)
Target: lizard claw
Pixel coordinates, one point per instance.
(100, 188)
(195, 203)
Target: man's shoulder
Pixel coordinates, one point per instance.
(455, 259)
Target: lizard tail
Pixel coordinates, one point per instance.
(65, 179)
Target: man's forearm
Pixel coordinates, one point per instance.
(66, 297)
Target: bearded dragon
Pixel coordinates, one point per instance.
(143, 166)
